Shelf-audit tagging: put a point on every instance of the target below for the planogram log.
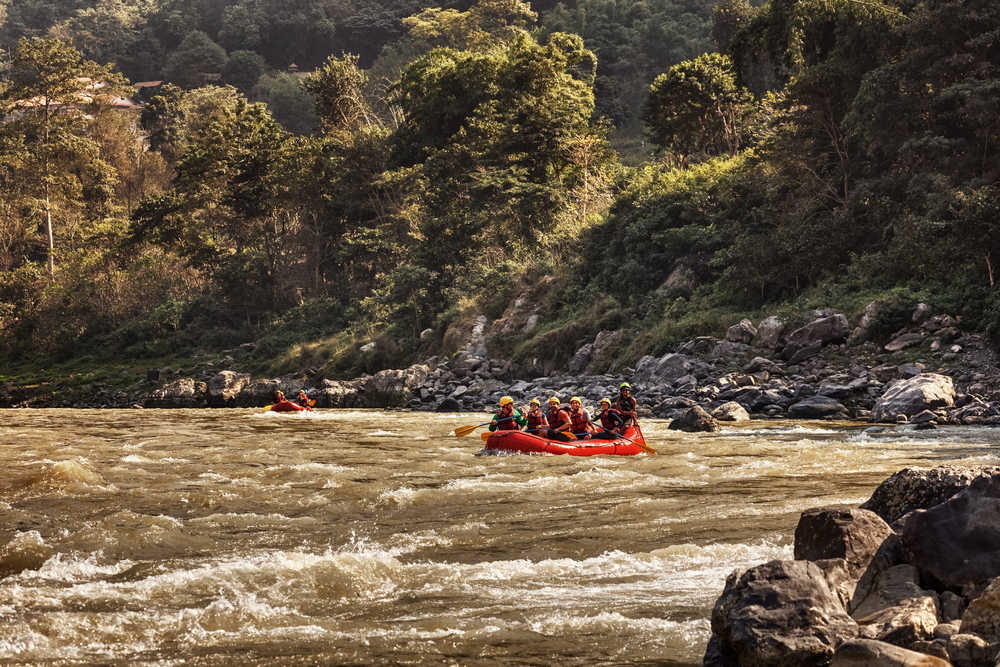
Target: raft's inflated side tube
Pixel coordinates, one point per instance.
(286, 406)
(519, 441)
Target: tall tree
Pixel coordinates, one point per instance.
(49, 90)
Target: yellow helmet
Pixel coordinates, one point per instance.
(576, 399)
(534, 401)
(554, 399)
(605, 400)
(505, 400)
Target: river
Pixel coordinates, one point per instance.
(370, 537)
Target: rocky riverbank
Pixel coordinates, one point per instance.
(912, 577)
(817, 366)
(930, 372)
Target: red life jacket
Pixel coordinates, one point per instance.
(581, 421)
(508, 424)
(557, 417)
(536, 420)
(611, 419)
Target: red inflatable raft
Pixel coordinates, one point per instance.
(288, 406)
(529, 443)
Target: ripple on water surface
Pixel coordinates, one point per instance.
(377, 537)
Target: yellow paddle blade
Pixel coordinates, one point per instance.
(484, 436)
(462, 431)
(266, 408)
(646, 448)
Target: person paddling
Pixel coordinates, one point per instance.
(535, 417)
(625, 405)
(582, 427)
(304, 400)
(507, 418)
(559, 422)
(612, 423)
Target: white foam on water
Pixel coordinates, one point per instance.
(404, 495)
(382, 433)
(593, 479)
(252, 520)
(559, 624)
(75, 569)
(134, 458)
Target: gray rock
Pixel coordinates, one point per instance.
(449, 404)
(694, 420)
(780, 613)
(965, 650)
(904, 341)
(181, 393)
(982, 616)
(911, 489)
(957, 543)
(873, 653)
(852, 534)
(896, 609)
(743, 332)
(817, 407)
(823, 331)
(731, 411)
(769, 332)
(926, 391)
(225, 387)
(921, 313)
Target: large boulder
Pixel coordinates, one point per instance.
(821, 331)
(852, 534)
(912, 489)
(896, 609)
(957, 543)
(909, 396)
(224, 388)
(873, 653)
(695, 420)
(769, 332)
(742, 332)
(982, 617)
(181, 393)
(731, 411)
(818, 407)
(668, 368)
(778, 613)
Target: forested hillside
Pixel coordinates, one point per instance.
(315, 175)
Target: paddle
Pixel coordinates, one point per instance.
(642, 445)
(463, 431)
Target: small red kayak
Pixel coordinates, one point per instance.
(529, 443)
(288, 406)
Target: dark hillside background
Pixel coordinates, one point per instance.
(180, 177)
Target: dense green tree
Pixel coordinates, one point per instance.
(243, 69)
(173, 117)
(338, 89)
(195, 57)
(493, 134)
(289, 101)
(697, 108)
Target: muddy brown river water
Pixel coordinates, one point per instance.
(367, 537)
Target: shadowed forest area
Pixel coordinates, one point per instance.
(311, 176)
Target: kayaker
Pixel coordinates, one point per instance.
(558, 420)
(303, 399)
(535, 417)
(282, 404)
(625, 404)
(582, 428)
(507, 418)
(612, 423)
